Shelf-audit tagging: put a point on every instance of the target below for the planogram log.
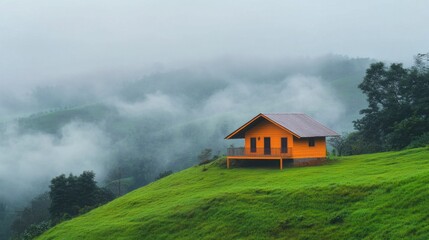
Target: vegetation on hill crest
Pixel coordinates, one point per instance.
(373, 196)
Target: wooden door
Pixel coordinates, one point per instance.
(283, 145)
(267, 146)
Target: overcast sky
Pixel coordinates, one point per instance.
(50, 39)
(64, 42)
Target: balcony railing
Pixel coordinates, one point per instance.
(259, 152)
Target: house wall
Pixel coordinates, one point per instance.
(302, 150)
(267, 129)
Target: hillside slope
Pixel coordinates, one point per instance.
(375, 196)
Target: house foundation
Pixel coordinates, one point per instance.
(302, 162)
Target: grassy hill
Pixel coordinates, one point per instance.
(374, 196)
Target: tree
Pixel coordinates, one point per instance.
(87, 186)
(386, 103)
(103, 196)
(60, 196)
(338, 143)
(36, 212)
(72, 194)
(398, 104)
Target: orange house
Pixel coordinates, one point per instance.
(294, 137)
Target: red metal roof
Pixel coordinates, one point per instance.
(299, 124)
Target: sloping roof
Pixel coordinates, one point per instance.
(299, 124)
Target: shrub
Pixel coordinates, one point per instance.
(35, 230)
(164, 174)
(421, 141)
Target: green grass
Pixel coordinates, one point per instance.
(374, 196)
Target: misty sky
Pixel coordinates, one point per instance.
(49, 40)
(86, 51)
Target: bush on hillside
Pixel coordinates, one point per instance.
(164, 174)
(35, 230)
(421, 141)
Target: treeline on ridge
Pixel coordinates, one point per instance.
(397, 115)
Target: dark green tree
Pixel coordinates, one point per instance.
(87, 189)
(36, 212)
(386, 103)
(71, 195)
(398, 104)
(59, 193)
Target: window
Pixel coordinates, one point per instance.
(284, 145)
(311, 142)
(252, 144)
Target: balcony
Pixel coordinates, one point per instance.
(260, 153)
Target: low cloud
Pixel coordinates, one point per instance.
(161, 121)
(298, 93)
(30, 160)
(153, 103)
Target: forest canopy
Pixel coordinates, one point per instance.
(397, 115)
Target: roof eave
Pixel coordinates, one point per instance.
(230, 136)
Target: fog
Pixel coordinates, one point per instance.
(161, 121)
(29, 161)
(98, 85)
(45, 40)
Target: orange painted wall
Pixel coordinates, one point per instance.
(267, 129)
(300, 148)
